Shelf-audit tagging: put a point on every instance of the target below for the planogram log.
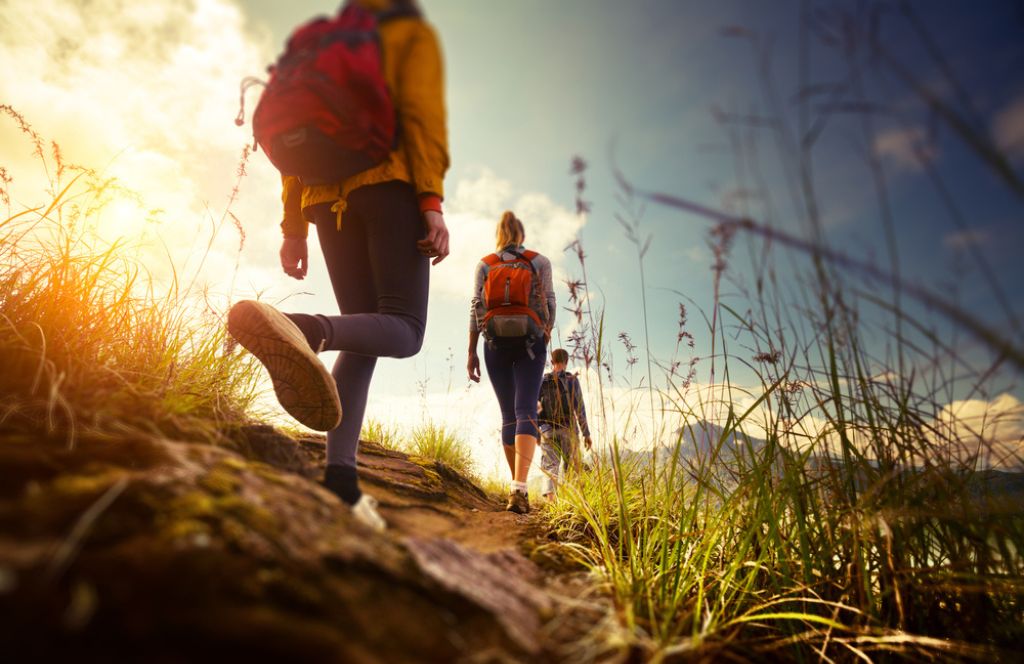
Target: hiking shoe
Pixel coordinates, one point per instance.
(301, 382)
(518, 502)
(365, 512)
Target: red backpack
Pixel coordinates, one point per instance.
(326, 112)
(507, 290)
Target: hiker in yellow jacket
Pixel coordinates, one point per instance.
(378, 230)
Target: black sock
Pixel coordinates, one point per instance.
(344, 482)
(311, 327)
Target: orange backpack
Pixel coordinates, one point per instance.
(507, 290)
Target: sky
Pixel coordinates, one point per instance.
(147, 90)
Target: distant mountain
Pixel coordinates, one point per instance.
(696, 441)
(1003, 484)
(699, 440)
(704, 437)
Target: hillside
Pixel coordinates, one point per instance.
(157, 550)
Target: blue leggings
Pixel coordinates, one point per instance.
(516, 379)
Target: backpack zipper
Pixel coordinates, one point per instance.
(508, 291)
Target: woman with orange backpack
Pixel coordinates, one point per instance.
(378, 229)
(513, 307)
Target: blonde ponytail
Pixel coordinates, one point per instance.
(510, 230)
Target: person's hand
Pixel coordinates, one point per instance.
(473, 367)
(435, 244)
(295, 257)
(547, 336)
(588, 443)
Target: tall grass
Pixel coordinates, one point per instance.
(90, 341)
(797, 553)
(836, 516)
(834, 509)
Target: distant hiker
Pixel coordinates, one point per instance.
(377, 214)
(513, 307)
(561, 408)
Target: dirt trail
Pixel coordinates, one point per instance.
(417, 505)
(146, 549)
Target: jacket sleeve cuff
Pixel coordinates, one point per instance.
(427, 177)
(429, 201)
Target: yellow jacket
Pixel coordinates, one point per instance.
(414, 73)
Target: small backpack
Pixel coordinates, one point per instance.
(555, 407)
(326, 112)
(507, 290)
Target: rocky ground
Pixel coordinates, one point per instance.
(136, 548)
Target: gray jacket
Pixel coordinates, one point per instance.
(543, 302)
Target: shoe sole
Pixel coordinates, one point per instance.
(301, 382)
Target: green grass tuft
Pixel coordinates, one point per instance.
(435, 441)
(385, 435)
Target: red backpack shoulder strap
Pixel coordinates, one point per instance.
(491, 260)
(529, 254)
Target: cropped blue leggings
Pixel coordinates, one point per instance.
(516, 378)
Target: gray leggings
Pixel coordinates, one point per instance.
(560, 448)
(381, 282)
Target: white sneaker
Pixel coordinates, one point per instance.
(365, 512)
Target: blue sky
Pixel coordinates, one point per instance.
(151, 89)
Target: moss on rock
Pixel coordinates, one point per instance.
(207, 552)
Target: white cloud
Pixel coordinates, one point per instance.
(145, 91)
(1008, 128)
(905, 148)
(992, 430)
